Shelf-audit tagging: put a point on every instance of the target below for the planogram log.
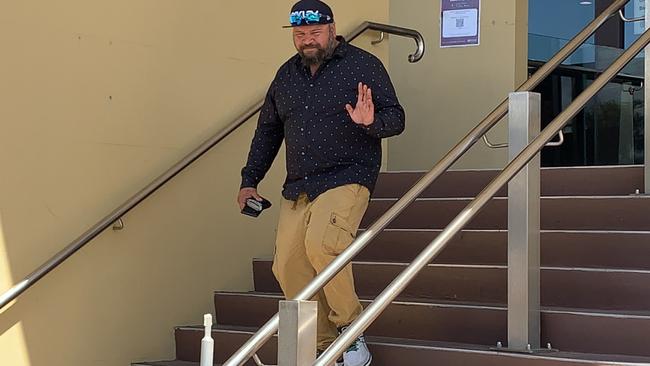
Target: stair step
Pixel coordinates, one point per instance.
(168, 363)
(560, 287)
(567, 330)
(227, 339)
(589, 249)
(557, 213)
(395, 351)
(611, 180)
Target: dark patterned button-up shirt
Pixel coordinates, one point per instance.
(325, 148)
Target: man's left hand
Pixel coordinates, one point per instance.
(364, 112)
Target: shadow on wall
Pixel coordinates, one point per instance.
(117, 300)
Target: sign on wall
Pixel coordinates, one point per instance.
(460, 23)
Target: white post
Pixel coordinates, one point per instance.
(207, 343)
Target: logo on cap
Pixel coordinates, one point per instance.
(305, 17)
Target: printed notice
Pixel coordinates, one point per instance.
(459, 23)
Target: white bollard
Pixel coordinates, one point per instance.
(207, 344)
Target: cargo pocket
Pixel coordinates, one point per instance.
(338, 235)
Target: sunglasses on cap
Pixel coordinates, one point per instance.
(308, 17)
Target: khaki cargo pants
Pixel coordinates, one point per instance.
(310, 235)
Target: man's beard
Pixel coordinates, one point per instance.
(317, 57)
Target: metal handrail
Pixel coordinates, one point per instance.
(629, 20)
(464, 217)
(503, 145)
(127, 206)
(398, 31)
(268, 329)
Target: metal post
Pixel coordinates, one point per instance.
(646, 112)
(626, 125)
(523, 227)
(297, 333)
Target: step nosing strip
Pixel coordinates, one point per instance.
(434, 265)
(397, 302)
(596, 167)
(597, 313)
(251, 294)
(217, 330)
(559, 168)
(430, 265)
(494, 266)
(501, 198)
(500, 231)
(597, 270)
(505, 354)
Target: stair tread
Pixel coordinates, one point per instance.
(558, 248)
(451, 346)
(484, 265)
(169, 363)
(548, 197)
(464, 304)
(558, 213)
(563, 181)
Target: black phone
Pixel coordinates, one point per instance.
(254, 207)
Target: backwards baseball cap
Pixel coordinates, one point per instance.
(309, 12)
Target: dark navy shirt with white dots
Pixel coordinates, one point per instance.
(325, 148)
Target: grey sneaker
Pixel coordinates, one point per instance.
(357, 354)
(338, 362)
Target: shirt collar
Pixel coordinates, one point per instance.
(341, 49)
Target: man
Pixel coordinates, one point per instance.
(331, 103)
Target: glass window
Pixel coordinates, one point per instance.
(634, 9)
(609, 130)
(552, 23)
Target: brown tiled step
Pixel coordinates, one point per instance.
(611, 180)
(227, 339)
(557, 213)
(585, 332)
(597, 249)
(168, 363)
(560, 287)
(395, 351)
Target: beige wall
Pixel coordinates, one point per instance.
(452, 89)
(97, 98)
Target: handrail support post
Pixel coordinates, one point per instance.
(523, 227)
(297, 333)
(646, 137)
